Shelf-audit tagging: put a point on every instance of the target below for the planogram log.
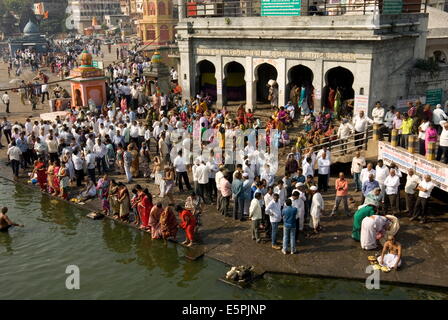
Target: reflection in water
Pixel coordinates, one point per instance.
(117, 237)
(58, 212)
(191, 270)
(6, 242)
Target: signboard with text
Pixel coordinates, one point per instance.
(405, 160)
(434, 96)
(392, 6)
(361, 104)
(280, 7)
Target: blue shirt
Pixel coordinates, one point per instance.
(237, 187)
(368, 186)
(22, 145)
(289, 217)
(247, 190)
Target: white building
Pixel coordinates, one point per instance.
(82, 11)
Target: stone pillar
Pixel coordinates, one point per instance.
(249, 78)
(186, 73)
(181, 9)
(318, 83)
(219, 75)
(281, 80)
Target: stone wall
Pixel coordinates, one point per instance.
(420, 81)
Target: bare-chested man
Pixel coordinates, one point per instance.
(5, 222)
(391, 255)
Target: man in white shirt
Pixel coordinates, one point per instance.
(344, 132)
(180, 167)
(360, 124)
(6, 100)
(412, 181)
(219, 175)
(203, 173)
(298, 201)
(78, 163)
(307, 168)
(14, 155)
(391, 184)
(439, 115)
(421, 135)
(274, 210)
(364, 176)
(52, 146)
(378, 118)
(381, 173)
(90, 162)
(388, 121)
(100, 151)
(442, 152)
(424, 193)
(323, 172)
(358, 164)
(255, 214)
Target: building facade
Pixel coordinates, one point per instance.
(82, 11)
(157, 25)
(359, 53)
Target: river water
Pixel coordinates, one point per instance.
(118, 262)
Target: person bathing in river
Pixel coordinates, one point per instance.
(188, 223)
(5, 222)
(391, 255)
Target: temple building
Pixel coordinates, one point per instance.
(158, 24)
(233, 53)
(31, 39)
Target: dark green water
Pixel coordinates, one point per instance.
(117, 262)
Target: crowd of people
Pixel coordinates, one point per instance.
(144, 133)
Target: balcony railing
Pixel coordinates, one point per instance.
(256, 8)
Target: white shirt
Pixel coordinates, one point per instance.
(428, 186)
(299, 204)
(392, 183)
(388, 119)
(444, 138)
(219, 175)
(77, 162)
(307, 170)
(381, 173)
(100, 150)
(274, 211)
(90, 161)
(364, 176)
(361, 124)
(323, 166)
(179, 164)
(378, 115)
(282, 195)
(345, 130)
(411, 183)
(422, 127)
(358, 164)
(438, 115)
(203, 173)
(255, 210)
(14, 153)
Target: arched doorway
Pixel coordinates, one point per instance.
(206, 81)
(263, 73)
(234, 85)
(341, 79)
(300, 77)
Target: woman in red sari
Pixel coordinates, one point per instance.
(144, 208)
(154, 221)
(188, 223)
(168, 223)
(241, 114)
(57, 167)
(41, 172)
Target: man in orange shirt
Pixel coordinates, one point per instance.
(341, 187)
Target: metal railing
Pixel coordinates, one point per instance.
(345, 146)
(256, 8)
